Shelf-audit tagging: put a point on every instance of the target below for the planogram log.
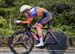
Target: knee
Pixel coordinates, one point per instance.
(39, 26)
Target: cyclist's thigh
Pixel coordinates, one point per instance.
(44, 20)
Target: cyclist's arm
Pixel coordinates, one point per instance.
(28, 21)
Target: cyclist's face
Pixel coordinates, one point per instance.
(25, 12)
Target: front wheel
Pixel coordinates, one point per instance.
(21, 42)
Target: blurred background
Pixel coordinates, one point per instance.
(63, 17)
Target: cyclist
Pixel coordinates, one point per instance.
(30, 13)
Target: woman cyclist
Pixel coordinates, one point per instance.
(31, 13)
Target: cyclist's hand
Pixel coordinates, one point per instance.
(17, 21)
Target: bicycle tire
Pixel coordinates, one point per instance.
(10, 42)
(61, 46)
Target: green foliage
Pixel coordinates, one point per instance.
(2, 2)
(69, 30)
(63, 13)
(6, 32)
(3, 23)
(9, 32)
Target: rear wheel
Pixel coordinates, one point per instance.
(21, 42)
(61, 45)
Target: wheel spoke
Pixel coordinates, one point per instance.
(24, 45)
(18, 43)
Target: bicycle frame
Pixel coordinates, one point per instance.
(48, 31)
(28, 28)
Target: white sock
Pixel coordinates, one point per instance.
(41, 41)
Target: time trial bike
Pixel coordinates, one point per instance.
(25, 39)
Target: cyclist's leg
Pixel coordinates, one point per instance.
(39, 26)
(39, 29)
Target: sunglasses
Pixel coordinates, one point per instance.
(24, 12)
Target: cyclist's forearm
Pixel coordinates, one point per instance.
(28, 21)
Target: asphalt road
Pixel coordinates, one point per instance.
(37, 53)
